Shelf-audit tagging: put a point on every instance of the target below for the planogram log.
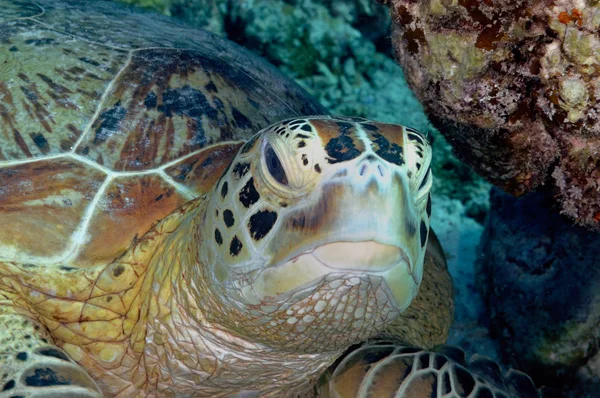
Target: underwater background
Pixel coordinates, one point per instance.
(340, 51)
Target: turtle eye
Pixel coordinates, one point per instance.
(274, 166)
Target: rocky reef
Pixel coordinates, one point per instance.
(513, 85)
(542, 296)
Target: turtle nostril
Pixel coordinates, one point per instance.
(362, 170)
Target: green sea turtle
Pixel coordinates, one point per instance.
(165, 233)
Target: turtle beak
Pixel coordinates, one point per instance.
(369, 228)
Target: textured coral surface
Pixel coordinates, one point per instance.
(513, 85)
(542, 295)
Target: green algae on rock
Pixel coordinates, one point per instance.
(513, 85)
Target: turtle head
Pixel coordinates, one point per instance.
(315, 235)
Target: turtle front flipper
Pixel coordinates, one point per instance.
(384, 369)
(32, 366)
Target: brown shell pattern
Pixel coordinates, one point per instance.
(110, 120)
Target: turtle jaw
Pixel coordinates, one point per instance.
(344, 259)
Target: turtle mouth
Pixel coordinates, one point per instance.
(341, 260)
(366, 256)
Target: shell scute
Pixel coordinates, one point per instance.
(168, 103)
(127, 208)
(43, 203)
(202, 170)
(47, 100)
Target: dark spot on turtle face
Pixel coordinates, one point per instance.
(9, 385)
(228, 218)
(110, 123)
(301, 144)
(425, 179)
(250, 144)
(261, 223)
(109, 299)
(224, 189)
(44, 340)
(151, 100)
(27, 336)
(439, 361)
(416, 137)
(241, 121)
(22, 356)
(418, 166)
(304, 159)
(389, 151)
(52, 352)
(296, 122)
(235, 247)
(306, 127)
(341, 149)
(428, 207)
(40, 141)
(240, 169)
(119, 269)
(465, 381)
(423, 233)
(248, 194)
(45, 377)
(13, 49)
(158, 198)
(301, 136)
(283, 204)
(29, 265)
(211, 88)
(317, 168)
(218, 237)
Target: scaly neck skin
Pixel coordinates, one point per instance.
(194, 355)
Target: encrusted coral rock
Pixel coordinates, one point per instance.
(514, 86)
(539, 275)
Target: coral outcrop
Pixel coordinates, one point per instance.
(539, 277)
(514, 86)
